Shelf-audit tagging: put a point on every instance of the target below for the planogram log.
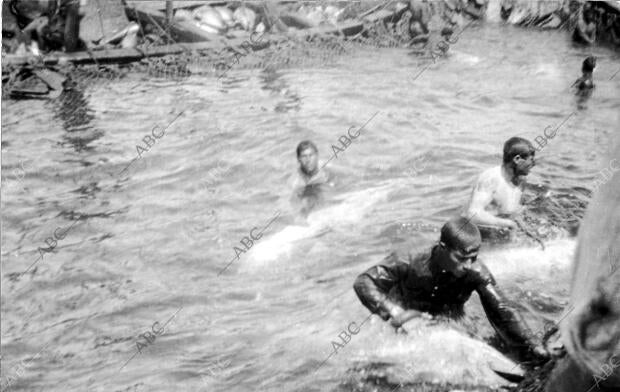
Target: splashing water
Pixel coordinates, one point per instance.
(351, 209)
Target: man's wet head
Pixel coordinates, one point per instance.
(588, 65)
(458, 246)
(519, 156)
(308, 157)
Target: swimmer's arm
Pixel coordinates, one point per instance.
(481, 197)
(294, 199)
(296, 185)
(508, 323)
(372, 287)
(330, 178)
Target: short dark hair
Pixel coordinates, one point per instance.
(447, 32)
(460, 233)
(304, 145)
(588, 64)
(517, 146)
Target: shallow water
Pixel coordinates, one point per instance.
(154, 239)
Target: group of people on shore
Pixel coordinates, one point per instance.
(43, 25)
(592, 23)
(440, 280)
(451, 13)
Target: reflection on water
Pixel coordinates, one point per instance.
(154, 239)
(273, 80)
(73, 109)
(582, 98)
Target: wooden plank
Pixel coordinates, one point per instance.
(160, 5)
(133, 54)
(381, 15)
(123, 55)
(373, 9)
(169, 11)
(347, 29)
(53, 79)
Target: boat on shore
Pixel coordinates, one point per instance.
(185, 36)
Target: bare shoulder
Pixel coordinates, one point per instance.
(489, 179)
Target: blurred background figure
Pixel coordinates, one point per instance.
(51, 24)
(591, 331)
(452, 14)
(585, 29)
(476, 9)
(420, 18)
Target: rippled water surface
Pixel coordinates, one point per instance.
(148, 244)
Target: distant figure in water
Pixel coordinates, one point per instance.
(439, 282)
(476, 9)
(309, 181)
(585, 31)
(585, 82)
(496, 198)
(420, 18)
(54, 24)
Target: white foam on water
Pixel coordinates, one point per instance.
(434, 353)
(531, 260)
(465, 58)
(441, 353)
(351, 209)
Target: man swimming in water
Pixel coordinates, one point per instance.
(496, 198)
(585, 82)
(309, 181)
(439, 282)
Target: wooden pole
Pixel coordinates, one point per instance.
(169, 14)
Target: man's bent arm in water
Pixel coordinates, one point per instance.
(506, 321)
(481, 197)
(372, 287)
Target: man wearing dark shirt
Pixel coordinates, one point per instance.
(585, 82)
(439, 282)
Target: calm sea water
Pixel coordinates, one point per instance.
(152, 241)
